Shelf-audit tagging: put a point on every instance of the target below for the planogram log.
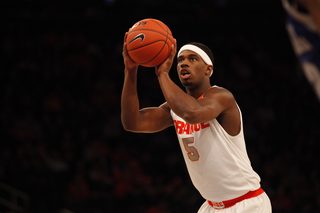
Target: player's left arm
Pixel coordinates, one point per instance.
(216, 102)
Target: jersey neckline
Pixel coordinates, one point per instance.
(206, 91)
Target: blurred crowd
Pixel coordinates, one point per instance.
(62, 142)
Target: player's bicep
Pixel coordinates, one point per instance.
(218, 102)
(212, 108)
(154, 119)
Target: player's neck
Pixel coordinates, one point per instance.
(197, 92)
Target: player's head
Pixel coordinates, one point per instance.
(202, 50)
(197, 59)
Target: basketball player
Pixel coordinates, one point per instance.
(209, 127)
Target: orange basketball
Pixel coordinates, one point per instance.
(149, 42)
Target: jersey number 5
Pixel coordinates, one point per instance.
(192, 151)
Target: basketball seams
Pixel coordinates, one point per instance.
(166, 30)
(147, 45)
(157, 30)
(156, 55)
(149, 31)
(167, 37)
(157, 23)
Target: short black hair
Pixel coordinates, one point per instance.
(205, 48)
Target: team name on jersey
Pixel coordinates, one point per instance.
(185, 128)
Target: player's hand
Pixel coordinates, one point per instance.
(167, 64)
(128, 62)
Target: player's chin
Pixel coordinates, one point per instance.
(186, 83)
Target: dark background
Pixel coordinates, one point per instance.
(62, 142)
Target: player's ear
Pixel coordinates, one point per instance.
(209, 69)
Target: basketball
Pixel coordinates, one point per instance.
(149, 42)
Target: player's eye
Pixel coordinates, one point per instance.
(180, 60)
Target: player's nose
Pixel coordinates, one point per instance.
(184, 63)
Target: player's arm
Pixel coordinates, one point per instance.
(145, 120)
(219, 103)
(216, 102)
(149, 120)
(133, 119)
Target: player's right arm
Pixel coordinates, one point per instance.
(133, 119)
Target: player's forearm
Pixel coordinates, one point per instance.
(129, 102)
(180, 102)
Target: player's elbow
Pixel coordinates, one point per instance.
(130, 128)
(128, 125)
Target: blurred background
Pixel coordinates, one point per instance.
(62, 146)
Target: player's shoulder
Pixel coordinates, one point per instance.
(219, 91)
(221, 95)
(165, 106)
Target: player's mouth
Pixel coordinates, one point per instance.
(185, 74)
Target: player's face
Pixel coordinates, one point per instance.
(191, 68)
